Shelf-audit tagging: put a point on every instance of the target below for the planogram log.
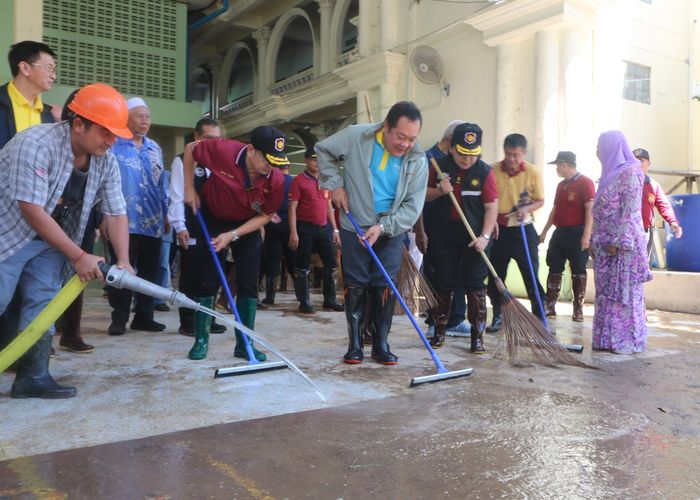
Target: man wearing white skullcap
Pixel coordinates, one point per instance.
(141, 167)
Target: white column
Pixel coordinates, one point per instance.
(368, 27)
(326, 45)
(506, 88)
(262, 37)
(215, 64)
(577, 124)
(546, 141)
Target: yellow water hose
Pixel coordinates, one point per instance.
(41, 323)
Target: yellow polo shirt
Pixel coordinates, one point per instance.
(509, 187)
(25, 115)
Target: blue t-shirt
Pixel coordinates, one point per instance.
(385, 170)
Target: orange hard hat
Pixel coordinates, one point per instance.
(102, 104)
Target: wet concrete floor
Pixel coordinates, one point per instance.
(148, 423)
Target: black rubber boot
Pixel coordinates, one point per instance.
(497, 317)
(383, 302)
(355, 298)
(329, 301)
(269, 291)
(476, 314)
(33, 379)
(301, 287)
(440, 317)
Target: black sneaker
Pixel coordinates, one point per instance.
(161, 307)
(187, 332)
(147, 326)
(217, 328)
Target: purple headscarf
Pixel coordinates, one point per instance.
(615, 156)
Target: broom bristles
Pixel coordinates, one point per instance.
(414, 288)
(526, 336)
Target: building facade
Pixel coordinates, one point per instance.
(558, 71)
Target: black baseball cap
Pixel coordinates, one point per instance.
(564, 157)
(310, 152)
(271, 142)
(641, 153)
(466, 139)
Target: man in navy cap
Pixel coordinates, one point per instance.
(310, 211)
(243, 192)
(454, 254)
(572, 216)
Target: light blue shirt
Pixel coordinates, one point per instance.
(142, 185)
(385, 170)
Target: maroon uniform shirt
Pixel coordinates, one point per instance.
(570, 200)
(229, 192)
(313, 201)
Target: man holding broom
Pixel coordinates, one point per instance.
(383, 185)
(451, 247)
(520, 192)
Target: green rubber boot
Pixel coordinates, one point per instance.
(202, 325)
(246, 310)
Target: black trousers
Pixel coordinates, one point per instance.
(276, 245)
(144, 256)
(246, 259)
(313, 237)
(566, 245)
(360, 270)
(509, 245)
(455, 265)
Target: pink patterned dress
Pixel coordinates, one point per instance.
(619, 322)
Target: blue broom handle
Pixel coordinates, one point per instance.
(532, 276)
(227, 289)
(436, 360)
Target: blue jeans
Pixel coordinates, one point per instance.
(36, 270)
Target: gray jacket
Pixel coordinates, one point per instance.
(353, 147)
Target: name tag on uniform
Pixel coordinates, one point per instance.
(471, 193)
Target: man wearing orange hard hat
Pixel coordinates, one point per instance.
(55, 174)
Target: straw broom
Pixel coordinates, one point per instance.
(524, 333)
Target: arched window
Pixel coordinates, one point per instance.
(296, 51)
(241, 79)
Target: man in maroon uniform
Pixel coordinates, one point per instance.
(454, 254)
(653, 196)
(310, 210)
(571, 214)
(240, 196)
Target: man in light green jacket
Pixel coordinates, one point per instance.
(382, 182)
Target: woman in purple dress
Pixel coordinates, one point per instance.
(619, 250)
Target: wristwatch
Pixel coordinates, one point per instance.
(234, 236)
(381, 228)
(487, 238)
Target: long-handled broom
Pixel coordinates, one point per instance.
(521, 328)
(442, 373)
(569, 347)
(253, 364)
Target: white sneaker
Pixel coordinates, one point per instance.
(461, 330)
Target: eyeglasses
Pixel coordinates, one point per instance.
(49, 68)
